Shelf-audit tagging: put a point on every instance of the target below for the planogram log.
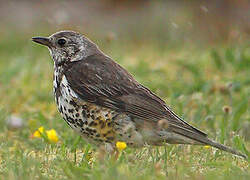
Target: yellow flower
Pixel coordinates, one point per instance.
(121, 145)
(52, 135)
(37, 134)
(207, 146)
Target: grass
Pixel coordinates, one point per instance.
(196, 82)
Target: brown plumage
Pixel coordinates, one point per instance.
(89, 78)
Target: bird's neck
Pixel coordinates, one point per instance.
(58, 74)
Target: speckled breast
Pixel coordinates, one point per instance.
(93, 122)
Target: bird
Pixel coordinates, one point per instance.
(103, 102)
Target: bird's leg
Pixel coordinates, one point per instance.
(107, 149)
(110, 149)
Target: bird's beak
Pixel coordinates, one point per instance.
(42, 40)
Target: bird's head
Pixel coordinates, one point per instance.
(67, 46)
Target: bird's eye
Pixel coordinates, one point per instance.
(61, 42)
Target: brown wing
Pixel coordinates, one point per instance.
(100, 80)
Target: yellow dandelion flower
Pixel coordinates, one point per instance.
(121, 145)
(37, 133)
(52, 135)
(41, 129)
(207, 147)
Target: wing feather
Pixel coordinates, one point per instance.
(98, 79)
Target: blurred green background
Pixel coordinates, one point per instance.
(194, 54)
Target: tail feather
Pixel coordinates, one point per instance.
(202, 139)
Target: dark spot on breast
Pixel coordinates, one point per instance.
(92, 116)
(73, 103)
(92, 123)
(77, 114)
(109, 124)
(70, 110)
(88, 129)
(67, 122)
(69, 119)
(84, 114)
(94, 131)
(79, 122)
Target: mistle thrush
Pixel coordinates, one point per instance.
(102, 101)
